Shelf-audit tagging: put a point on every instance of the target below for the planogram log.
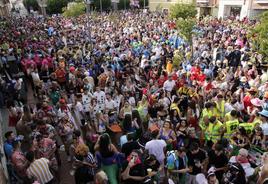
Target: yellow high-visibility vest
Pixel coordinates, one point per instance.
(214, 131)
(231, 127)
(248, 127)
(220, 106)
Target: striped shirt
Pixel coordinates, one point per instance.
(39, 169)
(90, 159)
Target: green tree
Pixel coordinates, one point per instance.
(182, 10)
(31, 4)
(184, 14)
(74, 10)
(56, 6)
(106, 4)
(259, 36)
(123, 4)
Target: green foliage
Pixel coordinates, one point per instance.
(141, 2)
(56, 6)
(177, 59)
(182, 10)
(259, 36)
(106, 4)
(123, 3)
(31, 4)
(185, 27)
(75, 10)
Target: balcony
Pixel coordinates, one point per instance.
(261, 1)
(202, 1)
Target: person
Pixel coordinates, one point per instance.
(19, 161)
(167, 134)
(133, 170)
(177, 165)
(156, 147)
(85, 165)
(197, 161)
(131, 145)
(108, 157)
(39, 169)
(218, 160)
(235, 174)
(8, 145)
(263, 174)
(101, 178)
(242, 159)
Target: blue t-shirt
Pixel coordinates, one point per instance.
(8, 148)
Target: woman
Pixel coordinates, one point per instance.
(108, 157)
(85, 165)
(126, 109)
(167, 134)
(174, 117)
(14, 114)
(65, 129)
(134, 170)
(129, 124)
(23, 125)
(257, 138)
(181, 131)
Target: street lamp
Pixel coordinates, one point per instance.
(88, 2)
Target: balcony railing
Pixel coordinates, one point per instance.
(261, 1)
(202, 1)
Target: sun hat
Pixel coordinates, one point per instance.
(256, 102)
(264, 113)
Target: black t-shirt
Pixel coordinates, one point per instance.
(128, 147)
(137, 170)
(217, 162)
(195, 159)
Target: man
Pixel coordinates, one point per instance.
(218, 160)
(231, 125)
(263, 179)
(197, 161)
(214, 129)
(19, 162)
(156, 147)
(101, 98)
(8, 145)
(130, 145)
(39, 169)
(86, 101)
(169, 84)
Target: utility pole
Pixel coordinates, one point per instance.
(88, 27)
(101, 6)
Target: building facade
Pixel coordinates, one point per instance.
(242, 8)
(160, 5)
(4, 8)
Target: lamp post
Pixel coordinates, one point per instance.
(43, 5)
(88, 2)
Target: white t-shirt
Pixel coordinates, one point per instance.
(86, 100)
(109, 104)
(169, 85)
(156, 148)
(101, 98)
(264, 127)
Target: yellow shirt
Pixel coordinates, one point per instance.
(214, 131)
(231, 127)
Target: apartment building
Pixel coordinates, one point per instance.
(160, 5)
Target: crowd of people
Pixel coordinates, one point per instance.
(129, 101)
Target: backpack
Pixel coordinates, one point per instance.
(172, 160)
